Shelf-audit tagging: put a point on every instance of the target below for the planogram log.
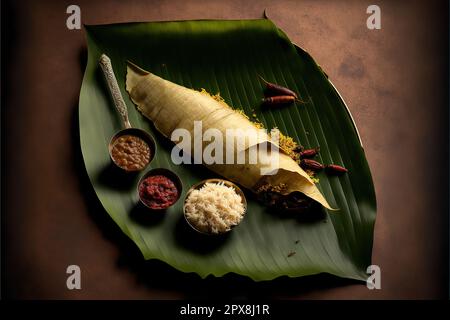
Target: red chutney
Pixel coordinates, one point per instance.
(158, 192)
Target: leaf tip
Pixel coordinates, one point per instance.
(136, 68)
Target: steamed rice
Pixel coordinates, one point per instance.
(214, 208)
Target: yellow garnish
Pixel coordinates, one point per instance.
(287, 144)
(216, 96)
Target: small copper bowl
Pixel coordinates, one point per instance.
(148, 139)
(163, 172)
(228, 184)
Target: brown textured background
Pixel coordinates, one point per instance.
(394, 81)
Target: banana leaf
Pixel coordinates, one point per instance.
(227, 57)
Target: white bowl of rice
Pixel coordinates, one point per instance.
(214, 206)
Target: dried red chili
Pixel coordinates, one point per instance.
(277, 90)
(278, 100)
(309, 153)
(311, 164)
(335, 169)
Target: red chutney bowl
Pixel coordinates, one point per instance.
(159, 189)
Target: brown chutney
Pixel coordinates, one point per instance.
(130, 152)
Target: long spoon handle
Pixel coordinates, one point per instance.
(108, 72)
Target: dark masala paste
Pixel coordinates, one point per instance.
(158, 192)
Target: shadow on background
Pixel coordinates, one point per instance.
(113, 177)
(140, 215)
(192, 240)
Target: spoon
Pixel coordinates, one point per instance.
(128, 130)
